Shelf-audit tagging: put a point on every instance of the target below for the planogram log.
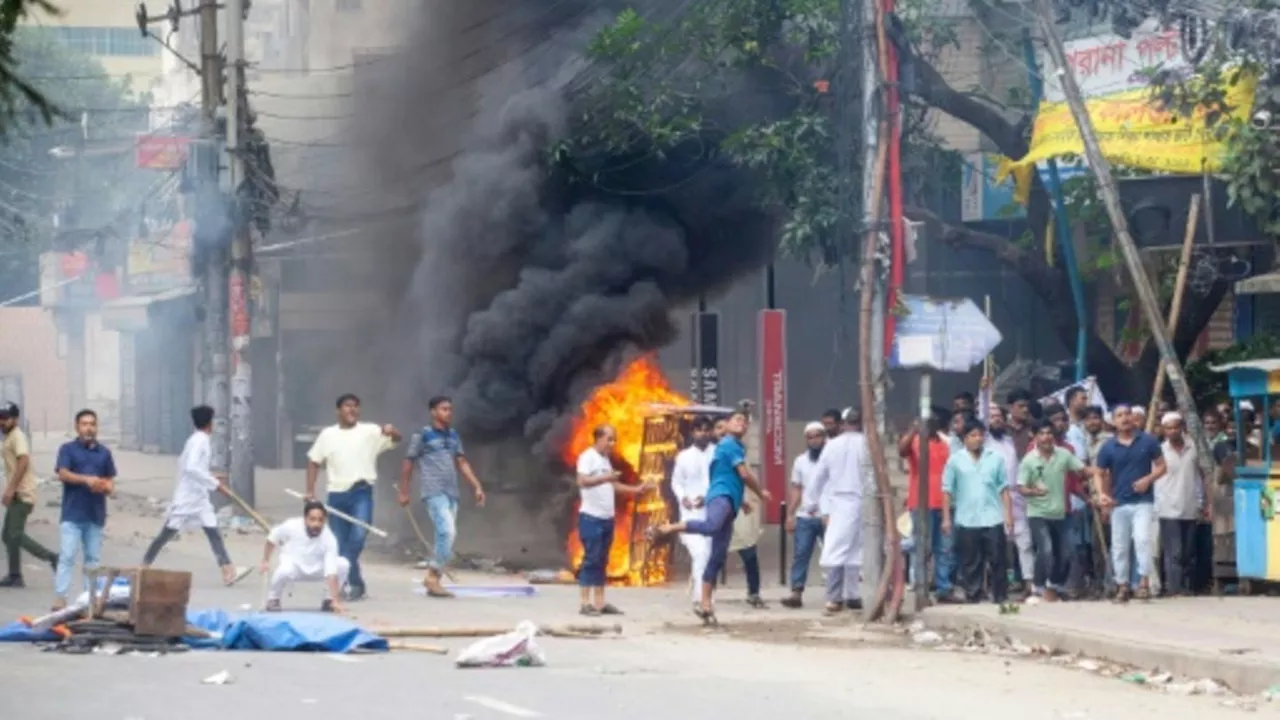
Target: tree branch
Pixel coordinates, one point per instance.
(931, 88)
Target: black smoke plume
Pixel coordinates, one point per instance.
(537, 277)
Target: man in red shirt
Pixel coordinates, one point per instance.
(941, 543)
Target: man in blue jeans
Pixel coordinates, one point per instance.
(87, 472)
(730, 478)
(1128, 465)
(436, 453)
(349, 454)
(806, 511)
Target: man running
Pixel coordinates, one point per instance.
(349, 452)
(19, 498)
(308, 552)
(436, 452)
(730, 478)
(191, 504)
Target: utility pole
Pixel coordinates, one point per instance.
(241, 274)
(210, 213)
(872, 510)
(1111, 200)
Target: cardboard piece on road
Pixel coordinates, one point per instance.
(159, 603)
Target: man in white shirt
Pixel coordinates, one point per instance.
(805, 520)
(690, 479)
(1180, 501)
(842, 473)
(349, 454)
(598, 484)
(191, 504)
(308, 552)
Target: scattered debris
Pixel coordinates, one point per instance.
(927, 638)
(221, 678)
(550, 577)
(416, 647)
(513, 649)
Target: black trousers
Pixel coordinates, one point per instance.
(167, 533)
(982, 562)
(1178, 544)
(1202, 576)
(1049, 538)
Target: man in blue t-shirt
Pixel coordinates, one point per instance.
(1127, 467)
(730, 476)
(87, 472)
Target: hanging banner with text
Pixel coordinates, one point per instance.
(773, 409)
(704, 373)
(1134, 131)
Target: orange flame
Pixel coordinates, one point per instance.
(624, 404)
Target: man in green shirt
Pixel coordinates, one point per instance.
(1042, 480)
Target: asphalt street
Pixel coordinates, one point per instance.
(660, 666)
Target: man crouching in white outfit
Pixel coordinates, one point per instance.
(690, 480)
(308, 551)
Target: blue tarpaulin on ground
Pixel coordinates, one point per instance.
(19, 632)
(299, 632)
(284, 631)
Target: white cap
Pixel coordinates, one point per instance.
(1170, 418)
(1246, 405)
(814, 427)
(1138, 410)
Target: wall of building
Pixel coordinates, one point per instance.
(29, 350)
(107, 31)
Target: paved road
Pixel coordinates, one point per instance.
(654, 669)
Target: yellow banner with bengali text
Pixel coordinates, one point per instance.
(1134, 131)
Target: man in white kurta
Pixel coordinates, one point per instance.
(690, 478)
(308, 552)
(191, 505)
(842, 472)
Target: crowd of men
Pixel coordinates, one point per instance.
(1021, 494)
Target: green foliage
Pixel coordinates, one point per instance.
(1251, 167)
(1209, 387)
(77, 101)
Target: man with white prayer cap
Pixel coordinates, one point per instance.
(842, 473)
(805, 518)
(690, 481)
(1180, 500)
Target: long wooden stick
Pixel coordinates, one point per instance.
(339, 513)
(1175, 309)
(422, 538)
(253, 514)
(569, 631)
(417, 647)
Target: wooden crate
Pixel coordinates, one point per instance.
(158, 602)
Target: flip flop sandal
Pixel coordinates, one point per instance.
(833, 609)
(241, 573)
(708, 617)
(757, 602)
(588, 611)
(609, 609)
(273, 606)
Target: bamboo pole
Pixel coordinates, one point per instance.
(1175, 309)
(567, 631)
(262, 522)
(418, 647)
(338, 513)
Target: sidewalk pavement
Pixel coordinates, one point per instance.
(1234, 640)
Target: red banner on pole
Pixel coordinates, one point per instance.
(773, 405)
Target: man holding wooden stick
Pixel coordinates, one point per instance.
(436, 453)
(191, 504)
(349, 452)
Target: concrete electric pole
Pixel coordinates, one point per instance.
(210, 214)
(1129, 251)
(242, 465)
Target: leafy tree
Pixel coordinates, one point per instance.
(760, 82)
(69, 102)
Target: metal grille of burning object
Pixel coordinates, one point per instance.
(646, 448)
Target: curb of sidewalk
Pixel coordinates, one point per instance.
(1242, 674)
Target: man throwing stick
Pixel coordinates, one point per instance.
(191, 504)
(308, 552)
(349, 454)
(436, 454)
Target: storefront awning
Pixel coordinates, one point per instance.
(1259, 284)
(131, 313)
